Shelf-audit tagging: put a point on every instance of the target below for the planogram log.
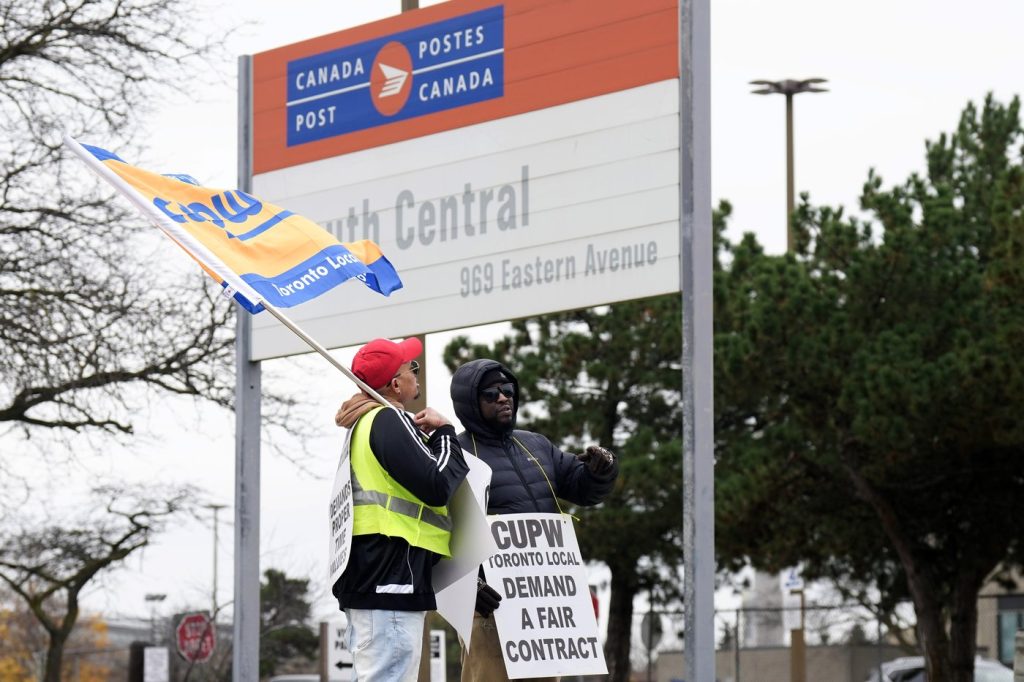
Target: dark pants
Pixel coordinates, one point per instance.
(484, 663)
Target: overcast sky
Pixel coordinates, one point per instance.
(899, 72)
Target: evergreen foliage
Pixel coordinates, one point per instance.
(868, 388)
(285, 634)
(867, 393)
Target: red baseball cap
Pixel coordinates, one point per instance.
(378, 361)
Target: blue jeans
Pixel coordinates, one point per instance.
(385, 645)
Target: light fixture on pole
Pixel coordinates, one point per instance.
(789, 88)
(216, 508)
(153, 599)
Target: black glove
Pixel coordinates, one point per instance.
(487, 598)
(599, 460)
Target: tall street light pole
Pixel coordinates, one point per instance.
(153, 599)
(216, 508)
(789, 88)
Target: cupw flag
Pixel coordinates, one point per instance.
(259, 252)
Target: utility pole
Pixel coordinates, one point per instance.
(736, 646)
(153, 599)
(789, 88)
(216, 508)
(798, 645)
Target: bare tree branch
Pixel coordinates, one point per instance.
(84, 315)
(48, 565)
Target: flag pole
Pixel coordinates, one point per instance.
(295, 329)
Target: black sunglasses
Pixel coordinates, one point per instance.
(490, 395)
(414, 367)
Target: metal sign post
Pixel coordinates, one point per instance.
(696, 280)
(246, 650)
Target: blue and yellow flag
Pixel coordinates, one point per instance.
(259, 252)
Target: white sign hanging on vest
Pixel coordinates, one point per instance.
(339, 515)
(454, 579)
(546, 623)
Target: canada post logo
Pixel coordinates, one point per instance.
(421, 71)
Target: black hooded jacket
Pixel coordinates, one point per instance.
(518, 486)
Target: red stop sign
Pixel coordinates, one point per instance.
(196, 637)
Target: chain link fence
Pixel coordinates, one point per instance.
(843, 643)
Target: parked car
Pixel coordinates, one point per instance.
(911, 669)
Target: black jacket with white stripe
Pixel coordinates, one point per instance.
(385, 572)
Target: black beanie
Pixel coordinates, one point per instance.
(491, 377)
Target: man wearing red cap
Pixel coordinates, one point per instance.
(405, 469)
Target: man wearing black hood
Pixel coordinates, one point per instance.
(529, 472)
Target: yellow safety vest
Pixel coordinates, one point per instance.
(382, 506)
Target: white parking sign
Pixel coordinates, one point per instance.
(339, 658)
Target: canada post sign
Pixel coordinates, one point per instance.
(431, 68)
